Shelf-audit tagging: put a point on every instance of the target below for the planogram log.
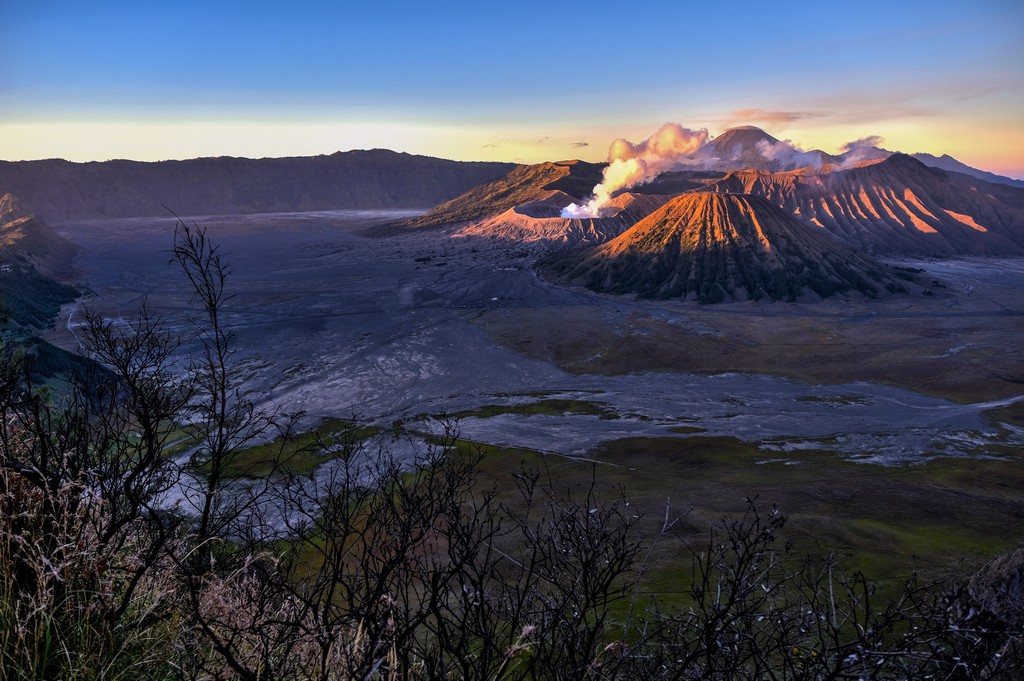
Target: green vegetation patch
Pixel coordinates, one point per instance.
(887, 522)
(299, 452)
(1011, 413)
(47, 362)
(28, 299)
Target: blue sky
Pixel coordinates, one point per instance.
(525, 81)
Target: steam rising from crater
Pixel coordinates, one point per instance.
(787, 154)
(633, 164)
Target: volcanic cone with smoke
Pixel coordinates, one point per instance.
(632, 164)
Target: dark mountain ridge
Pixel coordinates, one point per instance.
(950, 164)
(59, 190)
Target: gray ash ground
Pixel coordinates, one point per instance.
(332, 323)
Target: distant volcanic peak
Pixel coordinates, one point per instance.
(744, 136)
(717, 247)
(749, 147)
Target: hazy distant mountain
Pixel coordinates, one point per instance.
(718, 247)
(540, 222)
(377, 179)
(32, 256)
(524, 184)
(896, 206)
(947, 162)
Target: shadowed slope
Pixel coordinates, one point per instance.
(31, 257)
(23, 237)
(717, 247)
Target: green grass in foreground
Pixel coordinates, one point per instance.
(888, 522)
(885, 521)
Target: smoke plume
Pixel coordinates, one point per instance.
(870, 141)
(632, 164)
(786, 154)
(864, 149)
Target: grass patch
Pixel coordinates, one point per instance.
(299, 452)
(29, 299)
(884, 342)
(178, 440)
(887, 522)
(1012, 414)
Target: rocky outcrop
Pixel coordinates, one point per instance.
(999, 587)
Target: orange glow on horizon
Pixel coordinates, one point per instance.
(991, 149)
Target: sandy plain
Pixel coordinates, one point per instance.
(332, 323)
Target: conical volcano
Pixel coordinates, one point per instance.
(750, 147)
(721, 247)
(739, 139)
